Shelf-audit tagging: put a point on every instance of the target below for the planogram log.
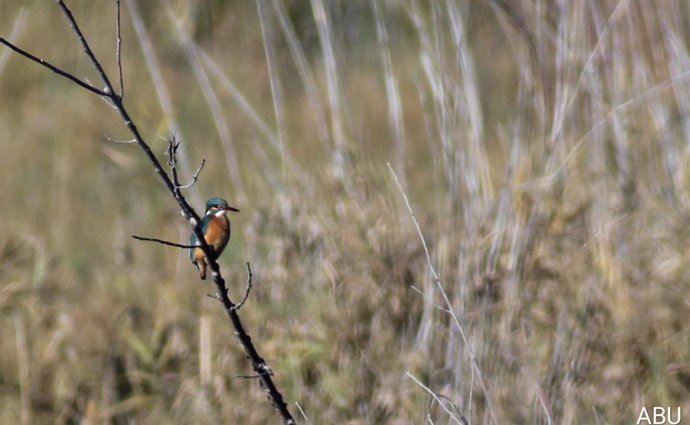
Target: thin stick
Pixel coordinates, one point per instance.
(173, 145)
(453, 405)
(435, 396)
(87, 49)
(164, 242)
(440, 307)
(53, 68)
(249, 288)
(196, 175)
(437, 280)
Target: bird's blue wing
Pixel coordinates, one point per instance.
(194, 241)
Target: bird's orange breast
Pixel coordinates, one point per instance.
(218, 233)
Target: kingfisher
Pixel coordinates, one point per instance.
(216, 229)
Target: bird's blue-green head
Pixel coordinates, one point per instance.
(218, 205)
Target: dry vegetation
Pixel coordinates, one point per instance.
(543, 149)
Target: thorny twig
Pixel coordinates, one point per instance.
(108, 92)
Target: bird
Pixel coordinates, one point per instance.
(215, 227)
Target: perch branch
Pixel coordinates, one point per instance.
(258, 363)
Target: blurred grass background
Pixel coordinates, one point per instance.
(543, 146)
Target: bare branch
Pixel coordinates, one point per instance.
(196, 176)
(249, 288)
(119, 50)
(436, 397)
(437, 281)
(419, 291)
(87, 49)
(442, 397)
(164, 242)
(53, 68)
(258, 363)
(173, 145)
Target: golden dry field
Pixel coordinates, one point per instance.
(542, 146)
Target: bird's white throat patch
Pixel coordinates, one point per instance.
(219, 213)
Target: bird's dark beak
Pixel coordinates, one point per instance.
(229, 208)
